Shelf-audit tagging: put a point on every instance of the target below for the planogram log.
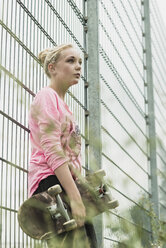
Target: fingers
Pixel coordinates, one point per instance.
(78, 212)
(80, 220)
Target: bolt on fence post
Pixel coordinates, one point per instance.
(153, 181)
(94, 98)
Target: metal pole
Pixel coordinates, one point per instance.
(94, 98)
(153, 184)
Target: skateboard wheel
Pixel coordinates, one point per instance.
(54, 190)
(113, 204)
(96, 178)
(100, 173)
(70, 225)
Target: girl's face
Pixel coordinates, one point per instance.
(67, 69)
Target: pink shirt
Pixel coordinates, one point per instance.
(55, 137)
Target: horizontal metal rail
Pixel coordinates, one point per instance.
(129, 199)
(122, 105)
(161, 188)
(120, 80)
(138, 6)
(139, 10)
(16, 80)
(159, 71)
(117, 31)
(160, 111)
(123, 149)
(132, 138)
(158, 122)
(14, 165)
(160, 125)
(8, 209)
(126, 48)
(158, 56)
(130, 21)
(125, 65)
(77, 11)
(113, 240)
(110, 160)
(33, 94)
(23, 127)
(158, 23)
(19, 41)
(14, 121)
(130, 222)
(162, 174)
(60, 19)
(162, 205)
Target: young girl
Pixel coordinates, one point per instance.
(55, 137)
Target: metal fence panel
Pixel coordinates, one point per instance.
(124, 128)
(128, 148)
(158, 60)
(27, 27)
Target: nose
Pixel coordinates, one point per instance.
(78, 66)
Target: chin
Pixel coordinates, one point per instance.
(74, 82)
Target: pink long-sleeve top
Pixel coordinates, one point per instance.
(54, 135)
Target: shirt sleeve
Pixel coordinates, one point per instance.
(47, 117)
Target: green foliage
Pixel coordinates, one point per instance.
(136, 234)
(75, 239)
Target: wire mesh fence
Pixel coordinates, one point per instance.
(158, 59)
(27, 27)
(125, 115)
(125, 152)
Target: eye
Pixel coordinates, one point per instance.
(71, 60)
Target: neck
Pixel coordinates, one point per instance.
(60, 91)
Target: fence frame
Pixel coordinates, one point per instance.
(150, 118)
(94, 99)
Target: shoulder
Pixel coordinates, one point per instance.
(45, 100)
(45, 95)
(44, 103)
(46, 91)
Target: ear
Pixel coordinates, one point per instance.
(51, 68)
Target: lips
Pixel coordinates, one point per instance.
(77, 74)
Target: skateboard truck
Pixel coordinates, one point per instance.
(102, 189)
(59, 209)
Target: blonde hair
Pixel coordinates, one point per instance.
(51, 55)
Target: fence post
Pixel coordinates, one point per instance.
(94, 98)
(153, 183)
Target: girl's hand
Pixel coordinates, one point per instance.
(78, 212)
(78, 209)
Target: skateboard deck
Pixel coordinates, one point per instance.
(48, 213)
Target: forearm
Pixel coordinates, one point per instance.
(64, 176)
(78, 209)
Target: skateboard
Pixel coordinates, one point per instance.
(47, 214)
